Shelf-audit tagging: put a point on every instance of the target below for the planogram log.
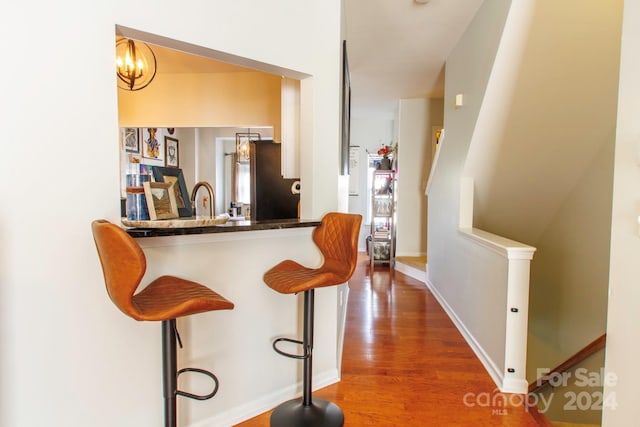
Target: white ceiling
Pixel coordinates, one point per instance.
(396, 50)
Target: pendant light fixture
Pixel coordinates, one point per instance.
(243, 139)
(135, 64)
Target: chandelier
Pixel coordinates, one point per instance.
(135, 64)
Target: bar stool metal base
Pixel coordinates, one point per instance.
(320, 413)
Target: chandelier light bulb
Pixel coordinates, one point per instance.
(135, 64)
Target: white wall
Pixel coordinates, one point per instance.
(470, 281)
(369, 135)
(464, 74)
(546, 120)
(68, 357)
(623, 338)
(543, 170)
(417, 117)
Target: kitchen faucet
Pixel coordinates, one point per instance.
(212, 198)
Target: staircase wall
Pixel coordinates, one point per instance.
(535, 133)
(542, 161)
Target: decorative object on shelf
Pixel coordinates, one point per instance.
(385, 152)
(385, 164)
(181, 194)
(161, 200)
(136, 203)
(171, 130)
(135, 64)
(177, 223)
(171, 152)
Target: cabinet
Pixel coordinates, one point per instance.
(383, 218)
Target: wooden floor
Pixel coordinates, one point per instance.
(405, 363)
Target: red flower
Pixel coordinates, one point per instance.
(385, 151)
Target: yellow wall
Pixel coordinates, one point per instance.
(241, 99)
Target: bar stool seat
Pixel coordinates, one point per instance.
(337, 239)
(169, 297)
(164, 299)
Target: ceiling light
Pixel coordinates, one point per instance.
(135, 64)
(422, 1)
(243, 140)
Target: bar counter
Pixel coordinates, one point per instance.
(229, 226)
(236, 345)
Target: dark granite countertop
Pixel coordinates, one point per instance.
(230, 226)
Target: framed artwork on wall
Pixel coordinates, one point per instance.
(131, 140)
(172, 152)
(152, 147)
(354, 170)
(346, 112)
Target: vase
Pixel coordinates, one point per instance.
(385, 164)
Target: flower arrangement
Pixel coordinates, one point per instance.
(385, 151)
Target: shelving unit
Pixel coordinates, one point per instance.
(383, 218)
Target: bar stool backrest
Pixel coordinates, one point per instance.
(123, 264)
(337, 239)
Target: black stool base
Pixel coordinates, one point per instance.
(319, 414)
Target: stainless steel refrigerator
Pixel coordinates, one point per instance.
(272, 196)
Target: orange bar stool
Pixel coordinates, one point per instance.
(164, 299)
(337, 239)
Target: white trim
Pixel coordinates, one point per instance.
(514, 385)
(501, 245)
(411, 271)
(259, 406)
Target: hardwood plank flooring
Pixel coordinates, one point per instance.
(406, 364)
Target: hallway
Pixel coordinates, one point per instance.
(405, 363)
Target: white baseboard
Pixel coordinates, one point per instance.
(411, 254)
(487, 362)
(411, 271)
(259, 406)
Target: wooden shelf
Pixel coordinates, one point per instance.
(383, 219)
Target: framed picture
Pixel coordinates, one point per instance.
(161, 200)
(175, 176)
(131, 140)
(346, 112)
(152, 147)
(354, 170)
(172, 152)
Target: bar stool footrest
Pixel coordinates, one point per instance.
(294, 413)
(293, 356)
(198, 396)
